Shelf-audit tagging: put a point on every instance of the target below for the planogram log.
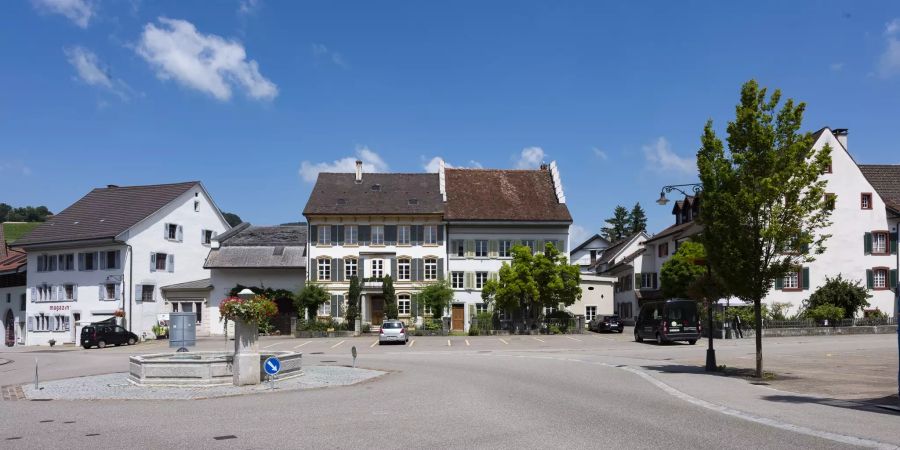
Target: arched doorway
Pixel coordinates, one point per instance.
(9, 327)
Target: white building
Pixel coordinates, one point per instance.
(370, 226)
(487, 213)
(113, 249)
(13, 280)
(256, 257)
(624, 261)
(863, 242)
(588, 252)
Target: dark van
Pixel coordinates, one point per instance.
(101, 335)
(668, 321)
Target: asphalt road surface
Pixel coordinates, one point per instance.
(585, 391)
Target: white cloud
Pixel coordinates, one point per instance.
(15, 167)
(836, 67)
(433, 165)
(205, 62)
(372, 163)
(531, 158)
(889, 64)
(79, 12)
(247, 7)
(578, 234)
(661, 158)
(600, 154)
(93, 72)
(323, 53)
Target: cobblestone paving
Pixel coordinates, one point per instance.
(12, 393)
(117, 387)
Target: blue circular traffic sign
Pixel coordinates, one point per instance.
(272, 365)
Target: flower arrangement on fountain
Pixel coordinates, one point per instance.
(119, 313)
(256, 309)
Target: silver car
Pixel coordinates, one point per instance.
(392, 331)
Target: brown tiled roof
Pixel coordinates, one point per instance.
(379, 193)
(13, 261)
(104, 213)
(521, 195)
(885, 178)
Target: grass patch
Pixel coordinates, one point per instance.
(15, 230)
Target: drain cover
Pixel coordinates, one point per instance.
(92, 434)
(222, 438)
(328, 361)
(47, 421)
(317, 353)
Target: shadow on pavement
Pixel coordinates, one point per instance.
(882, 405)
(747, 373)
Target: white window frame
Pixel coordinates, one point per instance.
(458, 248)
(879, 242)
(403, 234)
(879, 278)
(590, 312)
(791, 280)
(324, 309)
(351, 235)
(324, 235)
(431, 269)
(482, 248)
(164, 259)
(481, 308)
(351, 268)
(480, 279)
(377, 268)
(207, 237)
(69, 291)
(457, 280)
(404, 304)
(377, 234)
(64, 260)
(404, 269)
(323, 269)
(530, 243)
(104, 291)
(431, 235)
(504, 247)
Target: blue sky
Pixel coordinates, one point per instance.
(253, 97)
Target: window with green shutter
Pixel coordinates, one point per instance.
(805, 279)
(867, 243)
(870, 279)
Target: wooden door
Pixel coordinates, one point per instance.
(459, 318)
(377, 310)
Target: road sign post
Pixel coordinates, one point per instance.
(272, 366)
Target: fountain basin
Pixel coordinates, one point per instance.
(201, 368)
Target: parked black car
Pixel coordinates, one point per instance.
(667, 321)
(606, 323)
(102, 335)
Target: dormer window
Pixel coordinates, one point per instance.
(413, 201)
(342, 201)
(376, 188)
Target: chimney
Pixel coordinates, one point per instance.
(358, 171)
(111, 186)
(544, 166)
(841, 135)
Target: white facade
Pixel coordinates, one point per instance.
(597, 297)
(477, 252)
(621, 263)
(12, 306)
(588, 252)
(60, 301)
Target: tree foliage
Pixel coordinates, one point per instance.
(852, 296)
(680, 271)
(436, 296)
(232, 219)
(618, 225)
(637, 219)
(9, 213)
(761, 197)
(310, 298)
(353, 295)
(532, 282)
(390, 298)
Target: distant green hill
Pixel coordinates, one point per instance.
(15, 230)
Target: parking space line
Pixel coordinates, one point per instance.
(373, 344)
(570, 337)
(272, 345)
(467, 342)
(411, 343)
(503, 341)
(538, 339)
(301, 345)
(339, 343)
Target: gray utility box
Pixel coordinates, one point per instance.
(182, 329)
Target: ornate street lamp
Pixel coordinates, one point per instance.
(696, 187)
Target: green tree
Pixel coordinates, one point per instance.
(852, 296)
(310, 298)
(619, 224)
(436, 296)
(390, 298)
(353, 295)
(24, 213)
(532, 282)
(637, 219)
(761, 197)
(681, 271)
(232, 219)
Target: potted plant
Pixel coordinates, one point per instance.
(247, 314)
(52, 342)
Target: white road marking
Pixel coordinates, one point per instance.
(272, 345)
(467, 342)
(301, 345)
(844, 439)
(501, 340)
(538, 339)
(411, 343)
(373, 344)
(339, 343)
(570, 337)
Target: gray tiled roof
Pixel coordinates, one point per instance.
(247, 235)
(104, 213)
(885, 178)
(196, 285)
(378, 193)
(246, 246)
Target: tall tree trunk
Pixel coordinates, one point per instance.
(757, 310)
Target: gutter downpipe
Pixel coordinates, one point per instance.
(130, 281)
